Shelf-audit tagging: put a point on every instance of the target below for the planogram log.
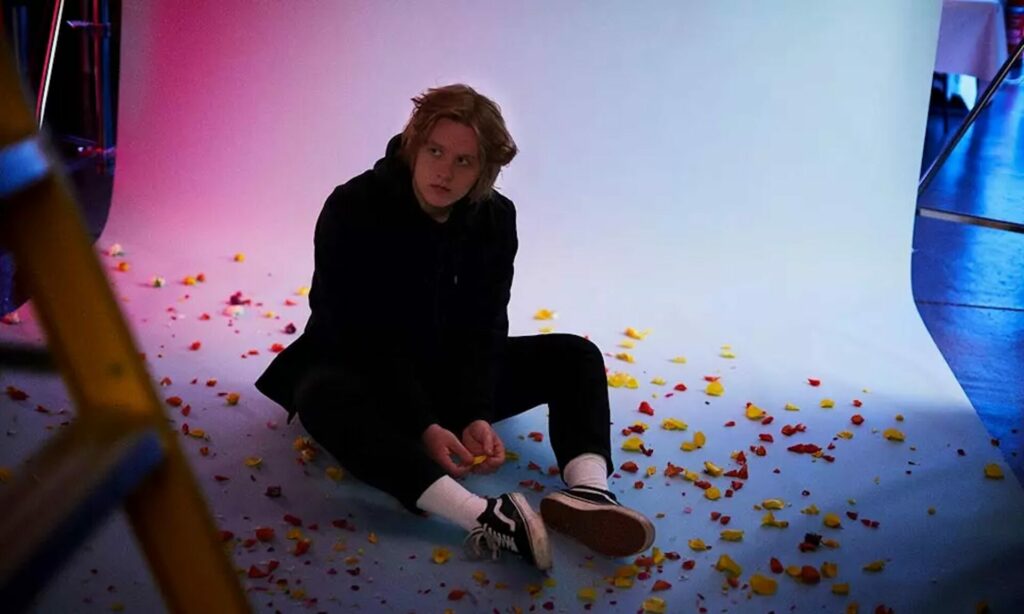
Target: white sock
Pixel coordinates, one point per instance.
(587, 470)
(449, 499)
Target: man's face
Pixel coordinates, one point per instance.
(447, 167)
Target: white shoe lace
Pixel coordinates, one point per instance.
(481, 537)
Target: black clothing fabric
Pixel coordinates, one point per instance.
(355, 422)
(415, 307)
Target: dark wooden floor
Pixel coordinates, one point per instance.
(967, 280)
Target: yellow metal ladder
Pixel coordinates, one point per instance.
(120, 450)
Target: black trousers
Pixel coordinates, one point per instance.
(356, 425)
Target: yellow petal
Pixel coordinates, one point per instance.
(713, 494)
(197, 433)
(688, 446)
(372, 537)
(637, 334)
(773, 504)
(810, 509)
(626, 571)
(293, 533)
(893, 435)
(791, 407)
(673, 424)
(899, 417)
(632, 444)
(827, 403)
(878, 565)
(587, 594)
(727, 354)
(713, 469)
(658, 381)
(625, 356)
(754, 412)
(654, 605)
(302, 291)
(239, 257)
(441, 555)
(479, 459)
(715, 389)
(623, 582)
(699, 439)
(841, 589)
(727, 565)
(658, 556)
(993, 471)
(845, 434)
(629, 345)
(829, 570)
(544, 314)
(679, 360)
(769, 520)
(832, 521)
(691, 476)
(763, 585)
(544, 330)
(698, 545)
(253, 461)
(232, 398)
(651, 471)
(732, 535)
(335, 473)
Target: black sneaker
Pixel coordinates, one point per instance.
(596, 518)
(509, 523)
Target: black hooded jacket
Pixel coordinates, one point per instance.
(417, 307)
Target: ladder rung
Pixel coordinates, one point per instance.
(75, 482)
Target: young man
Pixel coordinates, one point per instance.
(406, 361)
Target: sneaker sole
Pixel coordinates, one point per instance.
(537, 532)
(609, 530)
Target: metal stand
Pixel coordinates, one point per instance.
(969, 121)
(99, 29)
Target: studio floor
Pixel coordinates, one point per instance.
(898, 504)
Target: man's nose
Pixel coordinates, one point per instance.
(446, 170)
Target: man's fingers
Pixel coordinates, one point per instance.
(460, 450)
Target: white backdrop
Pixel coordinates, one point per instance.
(735, 173)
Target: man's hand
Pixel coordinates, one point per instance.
(440, 444)
(481, 440)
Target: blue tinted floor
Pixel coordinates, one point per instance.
(967, 279)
